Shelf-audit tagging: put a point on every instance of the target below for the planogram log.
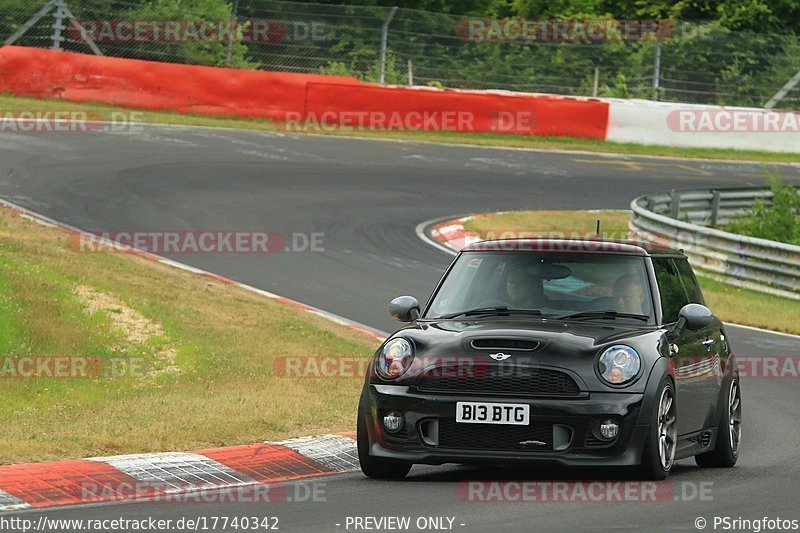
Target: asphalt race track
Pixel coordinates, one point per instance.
(367, 197)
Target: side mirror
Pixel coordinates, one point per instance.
(694, 317)
(404, 308)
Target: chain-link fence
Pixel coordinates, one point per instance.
(690, 62)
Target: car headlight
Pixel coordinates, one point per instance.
(619, 364)
(395, 358)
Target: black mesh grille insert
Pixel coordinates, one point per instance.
(504, 344)
(498, 380)
(495, 437)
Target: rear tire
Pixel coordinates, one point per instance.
(729, 431)
(376, 467)
(659, 449)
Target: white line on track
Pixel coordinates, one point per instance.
(296, 135)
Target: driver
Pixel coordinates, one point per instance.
(629, 295)
(523, 289)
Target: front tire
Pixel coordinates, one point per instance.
(659, 451)
(376, 467)
(729, 431)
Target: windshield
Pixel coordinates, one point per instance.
(556, 284)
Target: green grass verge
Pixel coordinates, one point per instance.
(199, 356)
(9, 103)
(731, 304)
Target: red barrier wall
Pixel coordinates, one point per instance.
(154, 85)
(280, 96)
(464, 111)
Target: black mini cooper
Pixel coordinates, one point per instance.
(554, 352)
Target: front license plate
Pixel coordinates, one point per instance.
(515, 414)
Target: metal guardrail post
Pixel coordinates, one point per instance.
(58, 25)
(232, 29)
(714, 209)
(657, 70)
(674, 204)
(384, 41)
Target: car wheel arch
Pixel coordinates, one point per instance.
(651, 396)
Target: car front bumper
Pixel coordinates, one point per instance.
(498, 444)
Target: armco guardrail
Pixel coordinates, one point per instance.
(687, 220)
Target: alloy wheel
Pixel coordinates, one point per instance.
(667, 430)
(735, 416)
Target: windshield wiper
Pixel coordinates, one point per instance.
(500, 311)
(603, 314)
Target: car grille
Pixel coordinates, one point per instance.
(494, 437)
(499, 380)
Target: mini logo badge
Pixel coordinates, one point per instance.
(499, 356)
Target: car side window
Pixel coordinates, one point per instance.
(670, 285)
(690, 282)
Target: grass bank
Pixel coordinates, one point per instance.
(186, 362)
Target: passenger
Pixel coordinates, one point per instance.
(629, 295)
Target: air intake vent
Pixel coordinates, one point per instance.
(705, 439)
(504, 344)
(536, 438)
(593, 442)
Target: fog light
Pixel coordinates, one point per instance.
(609, 429)
(392, 421)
